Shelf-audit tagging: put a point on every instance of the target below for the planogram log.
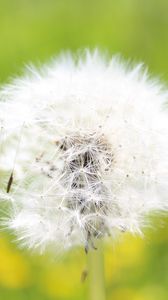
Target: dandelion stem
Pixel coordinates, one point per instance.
(96, 288)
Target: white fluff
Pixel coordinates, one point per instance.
(86, 141)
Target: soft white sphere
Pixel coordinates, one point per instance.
(84, 150)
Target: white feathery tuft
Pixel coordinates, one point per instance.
(84, 151)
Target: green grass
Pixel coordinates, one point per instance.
(34, 30)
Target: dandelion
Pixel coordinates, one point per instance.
(84, 151)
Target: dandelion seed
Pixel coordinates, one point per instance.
(9, 183)
(93, 151)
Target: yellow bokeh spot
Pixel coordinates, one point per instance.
(62, 281)
(127, 253)
(63, 278)
(122, 294)
(14, 271)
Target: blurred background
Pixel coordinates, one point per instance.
(35, 31)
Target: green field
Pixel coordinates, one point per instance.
(36, 31)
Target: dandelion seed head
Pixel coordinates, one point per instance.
(86, 142)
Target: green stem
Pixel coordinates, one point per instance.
(96, 290)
